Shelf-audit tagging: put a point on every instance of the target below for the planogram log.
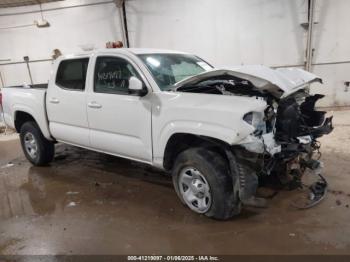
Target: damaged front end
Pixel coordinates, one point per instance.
(289, 149)
(284, 143)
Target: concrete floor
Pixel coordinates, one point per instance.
(90, 203)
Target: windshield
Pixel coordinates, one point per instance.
(168, 69)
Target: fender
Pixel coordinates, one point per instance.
(219, 132)
(41, 121)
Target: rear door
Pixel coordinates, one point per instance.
(120, 122)
(66, 102)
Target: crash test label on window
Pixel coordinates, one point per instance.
(173, 258)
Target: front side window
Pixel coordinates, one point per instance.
(71, 74)
(112, 75)
(168, 69)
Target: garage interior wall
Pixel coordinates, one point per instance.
(69, 29)
(225, 33)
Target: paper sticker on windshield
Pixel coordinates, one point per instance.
(204, 65)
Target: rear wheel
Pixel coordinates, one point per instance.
(203, 182)
(37, 149)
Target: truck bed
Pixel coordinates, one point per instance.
(26, 99)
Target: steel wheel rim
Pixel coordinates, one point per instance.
(30, 145)
(195, 189)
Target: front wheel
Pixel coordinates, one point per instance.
(203, 182)
(37, 149)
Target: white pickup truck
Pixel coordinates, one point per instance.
(217, 130)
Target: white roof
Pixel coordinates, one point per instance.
(152, 51)
(135, 51)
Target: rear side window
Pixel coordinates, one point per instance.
(71, 74)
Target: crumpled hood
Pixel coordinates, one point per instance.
(280, 82)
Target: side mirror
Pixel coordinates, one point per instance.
(136, 87)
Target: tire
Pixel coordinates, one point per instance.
(212, 170)
(37, 149)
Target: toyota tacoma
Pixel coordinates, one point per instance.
(217, 131)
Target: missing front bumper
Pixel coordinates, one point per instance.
(315, 192)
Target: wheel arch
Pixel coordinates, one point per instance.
(180, 142)
(22, 116)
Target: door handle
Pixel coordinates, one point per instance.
(94, 105)
(54, 100)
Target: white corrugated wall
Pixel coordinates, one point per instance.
(224, 32)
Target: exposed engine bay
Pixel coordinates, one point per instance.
(284, 143)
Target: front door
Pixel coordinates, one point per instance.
(120, 123)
